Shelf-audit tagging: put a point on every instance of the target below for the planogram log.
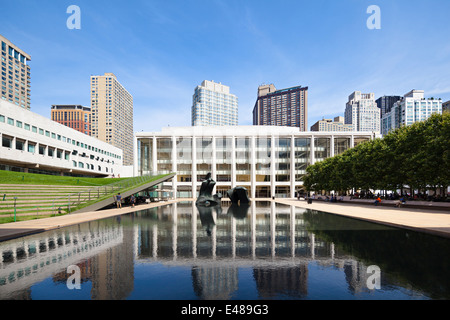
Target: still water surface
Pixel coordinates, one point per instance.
(263, 251)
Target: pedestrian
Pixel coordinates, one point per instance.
(132, 200)
(377, 201)
(119, 201)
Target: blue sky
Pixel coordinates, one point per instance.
(161, 50)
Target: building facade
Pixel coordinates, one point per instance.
(362, 112)
(386, 103)
(269, 161)
(413, 107)
(16, 77)
(286, 107)
(338, 124)
(35, 144)
(214, 105)
(112, 114)
(73, 116)
(446, 107)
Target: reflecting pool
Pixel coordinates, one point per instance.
(261, 251)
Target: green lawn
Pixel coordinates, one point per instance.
(10, 177)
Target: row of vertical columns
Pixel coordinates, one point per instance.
(233, 234)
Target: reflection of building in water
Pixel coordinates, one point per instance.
(272, 241)
(214, 282)
(113, 270)
(32, 259)
(356, 276)
(290, 281)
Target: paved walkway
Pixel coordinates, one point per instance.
(431, 221)
(418, 219)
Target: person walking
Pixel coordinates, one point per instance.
(119, 201)
(132, 200)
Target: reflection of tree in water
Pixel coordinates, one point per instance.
(414, 258)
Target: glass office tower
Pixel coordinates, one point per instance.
(214, 105)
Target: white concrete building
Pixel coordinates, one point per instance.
(413, 107)
(269, 161)
(214, 105)
(35, 144)
(362, 112)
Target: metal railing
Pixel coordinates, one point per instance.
(75, 201)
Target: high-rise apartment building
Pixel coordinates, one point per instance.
(386, 103)
(214, 105)
(15, 82)
(413, 107)
(286, 107)
(73, 116)
(362, 112)
(112, 114)
(329, 125)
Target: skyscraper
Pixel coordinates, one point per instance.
(362, 112)
(286, 107)
(73, 116)
(386, 103)
(413, 107)
(16, 76)
(214, 105)
(112, 114)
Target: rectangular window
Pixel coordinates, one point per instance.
(31, 148)
(10, 121)
(20, 144)
(6, 142)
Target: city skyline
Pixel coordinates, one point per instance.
(179, 44)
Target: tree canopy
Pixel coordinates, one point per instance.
(416, 156)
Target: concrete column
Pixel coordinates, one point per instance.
(292, 166)
(154, 157)
(332, 146)
(272, 166)
(233, 162)
(312, 146)
(253, 167)
(194, 167)
(213, 163)
(136, 157)
(174, 166)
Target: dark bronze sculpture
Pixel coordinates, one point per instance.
(205, 197)
(238, 195)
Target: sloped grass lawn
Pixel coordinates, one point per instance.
(10, 177)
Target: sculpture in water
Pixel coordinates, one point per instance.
(238, 195)
(205, 197)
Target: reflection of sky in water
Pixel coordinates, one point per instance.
(154, 255)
